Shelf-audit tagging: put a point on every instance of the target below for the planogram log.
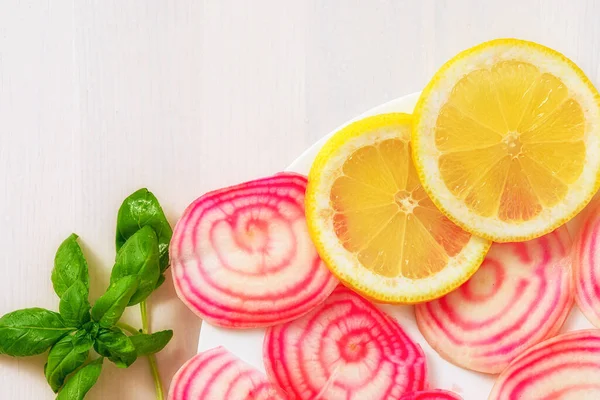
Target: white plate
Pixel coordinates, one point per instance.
(247, 344)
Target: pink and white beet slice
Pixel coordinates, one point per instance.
(586, 266)
(219, 375)
(242, 257)
(344, 349)
(566, 367)
(431, 395)
(520, 296)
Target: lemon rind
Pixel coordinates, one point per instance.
(425, 153)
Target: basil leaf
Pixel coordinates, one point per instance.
(66, 356)
(139, 256)
(138, 210)
(74, 306)
(110, 306)
(30, 331)
(81, 382)
(92, 328)
(150, 344)
(69, 266)
(117, 346)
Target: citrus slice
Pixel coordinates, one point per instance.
(372, 222)
(506, 140)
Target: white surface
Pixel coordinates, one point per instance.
(442, 374)
(98, 98)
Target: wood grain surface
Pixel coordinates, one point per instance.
(99, 98)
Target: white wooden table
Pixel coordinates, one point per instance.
(99, 98)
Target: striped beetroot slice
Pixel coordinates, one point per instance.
(217, 374)
(586, 267)
(520, 296)
(564, 367)
(431, 395)
(344, 349)
(242, 258)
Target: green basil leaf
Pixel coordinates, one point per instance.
(110, 306)
(83, 340)
(81, 382)
(30, 331)
(92, 328)
(66, 356)
(74, 306)
(69, 266)
(139, 256)
(138, 210)
(150, 344)
(116, 346)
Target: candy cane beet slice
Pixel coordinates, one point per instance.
(564, 367)
(242, 258)
(521, 295)
(217, 374)
(431, 395)
(344, 349)
(586, 267)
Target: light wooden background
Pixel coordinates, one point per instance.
(99, 98)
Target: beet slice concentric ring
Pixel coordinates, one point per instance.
(521, 295)
(344, 349)
(242, 258)
(586, 267)
(217, 374)
(564, 367)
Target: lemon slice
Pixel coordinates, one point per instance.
(507, 140)
(374, 225)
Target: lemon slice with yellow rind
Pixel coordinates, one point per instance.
(374, 225)
(507, 140)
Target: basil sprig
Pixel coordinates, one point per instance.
(142, 241)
